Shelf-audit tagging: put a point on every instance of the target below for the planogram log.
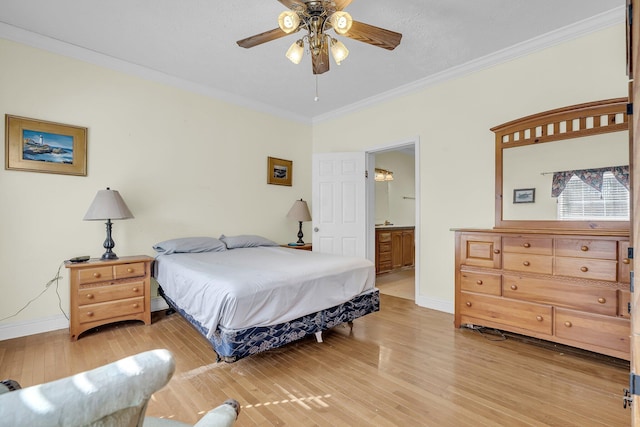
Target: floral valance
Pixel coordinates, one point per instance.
(591, 177)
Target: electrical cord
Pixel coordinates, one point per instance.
(56, 279)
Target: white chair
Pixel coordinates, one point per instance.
(111, 395)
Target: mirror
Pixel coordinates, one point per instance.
(530, 150)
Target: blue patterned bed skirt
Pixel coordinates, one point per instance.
(233, 344)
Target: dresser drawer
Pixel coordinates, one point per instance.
(94, 274)
(528, 262)
(485, 283)
(108, 310)
(624, 263)
(596, 269)
(528, 245)
(593, 329)
(624, 300)
(124, 271)
(480, 250)
(546, 291)
(92, 295)
(519, 314)
(585, 248)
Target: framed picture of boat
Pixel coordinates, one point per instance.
(40, 146)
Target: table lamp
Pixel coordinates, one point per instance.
(108, 204)
(299, 212)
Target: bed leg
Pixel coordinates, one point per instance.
(319, 336)
(350, 323)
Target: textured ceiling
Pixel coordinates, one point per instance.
(193, 42)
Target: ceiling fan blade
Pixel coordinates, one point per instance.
(320, 61)
(293, 4)
(376, 36)
(257, 39)
(341, 4)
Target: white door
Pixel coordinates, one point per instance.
(339, 209)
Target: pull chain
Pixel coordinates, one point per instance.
(316, 97)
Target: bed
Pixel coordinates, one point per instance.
(245, 294)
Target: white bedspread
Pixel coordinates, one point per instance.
(262, 286)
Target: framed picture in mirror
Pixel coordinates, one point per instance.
(524, 195)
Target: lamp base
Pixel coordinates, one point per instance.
(109, 255)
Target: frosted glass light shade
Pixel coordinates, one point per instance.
(339, 51)
(341, 22)
(295, 52)
(288, 21)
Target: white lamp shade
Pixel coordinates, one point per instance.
(108, 204)
(299, 211)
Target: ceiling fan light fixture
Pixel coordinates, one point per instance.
(295, 52)
(288, 21)
(339, 51)
(341, 22)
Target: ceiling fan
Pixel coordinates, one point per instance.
(316, 17)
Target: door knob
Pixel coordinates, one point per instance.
(316, 229)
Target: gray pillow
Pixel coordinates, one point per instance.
(190, 245)
(246, 241)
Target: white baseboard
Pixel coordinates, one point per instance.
(435, 304)
(54, 323)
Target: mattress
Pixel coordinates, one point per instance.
(261, 286)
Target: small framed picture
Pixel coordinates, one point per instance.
(524, 195)
(279, 171)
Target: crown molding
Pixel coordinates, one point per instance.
(590, 25)
(59, 47)
(579, 29)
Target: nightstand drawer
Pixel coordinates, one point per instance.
(108, 310)
(94, 274)
(92, 295)
(129, 270)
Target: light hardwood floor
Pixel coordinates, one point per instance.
(399, 284)
(403, 366)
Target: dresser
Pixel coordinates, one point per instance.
(563, 287)
(108, 291)
(395, 248)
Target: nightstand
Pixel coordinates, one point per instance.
(306, 247)
(107, 291)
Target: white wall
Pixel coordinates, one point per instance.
(185, 164)
(452, 120)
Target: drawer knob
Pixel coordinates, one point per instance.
(527, 245)
(89, 296)
(539, 318)
(568, 324)
(135, 289)
(602, 300)
(135, 305)
(626, 261)
(96, 274)
(526, 263)
(89, 313)
(479, 282)
(496, 251)
(584, 269)
(514, 287)
(468, 304)
(584, 248)
(129, 270)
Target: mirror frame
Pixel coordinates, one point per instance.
(557, 125)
